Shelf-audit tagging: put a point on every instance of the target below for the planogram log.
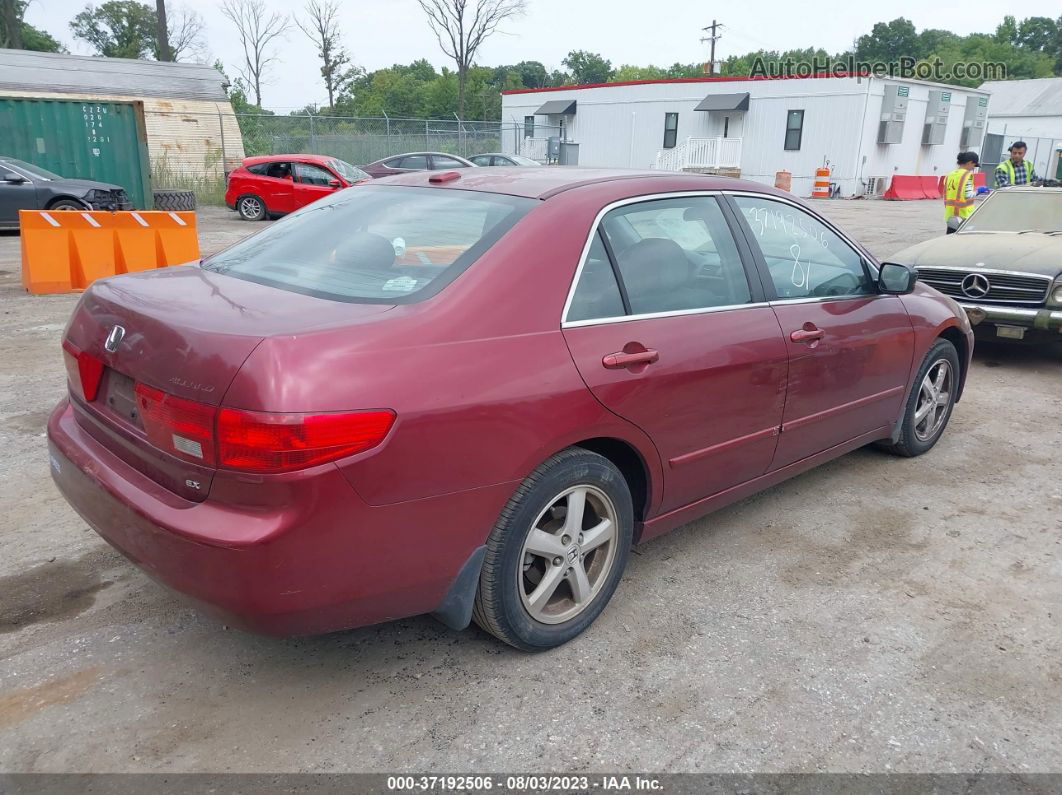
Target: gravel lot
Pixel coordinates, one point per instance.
(876, 614)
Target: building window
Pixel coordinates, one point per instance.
(670, 130)
(794, 130)
(529, 126)
(726, 126)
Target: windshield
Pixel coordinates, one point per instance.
(347, 171)
(522, 161)
(377, 244)
(1017, 211)
(34, 171)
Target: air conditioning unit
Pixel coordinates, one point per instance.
(973, 122)
(936, 117)
(893, 114)
(876, 186)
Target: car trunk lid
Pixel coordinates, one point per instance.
(185, 332)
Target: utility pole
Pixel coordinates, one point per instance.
(162, 31)
(713, 39)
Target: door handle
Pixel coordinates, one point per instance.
(616, 361)
(810, 333)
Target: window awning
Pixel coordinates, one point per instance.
(725, 102)
(557, 107)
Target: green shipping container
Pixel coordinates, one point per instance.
(80, 139)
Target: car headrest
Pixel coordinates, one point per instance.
(365, 250)
(652, 265)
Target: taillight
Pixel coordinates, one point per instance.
(184, 428)
(83, 369)
(254, 441)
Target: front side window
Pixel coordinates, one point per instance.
(442, 161)
(309, 174)
(376, 244)
(670, 130)
(806, 258)
(794, 130)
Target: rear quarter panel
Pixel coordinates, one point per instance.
(482, 382)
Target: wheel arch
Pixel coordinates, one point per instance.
(64, 198)
(955, 336)
(629, 461)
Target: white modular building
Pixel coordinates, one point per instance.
(1029, 111)
(864, 129)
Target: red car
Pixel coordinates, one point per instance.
(468, 393)
(273, 185)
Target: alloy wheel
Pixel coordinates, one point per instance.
(568, 554)
(934, 400)
(250, 208)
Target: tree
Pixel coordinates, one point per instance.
(532, 74)
(461, 26)
(258, 29)
(17, 34)
(890, 41)
(587, 67)
(117, 29)
(184, 35)
(628, 72)
(322, 28)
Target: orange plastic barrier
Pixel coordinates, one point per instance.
(64, 251)
(903, 187)
(931, 187)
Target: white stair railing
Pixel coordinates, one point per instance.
(701, 153)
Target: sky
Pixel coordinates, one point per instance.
(379, 33)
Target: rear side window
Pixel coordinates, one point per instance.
(413, 161)
(597, 295)
(377, 244)
(676, 254)
(258, 168)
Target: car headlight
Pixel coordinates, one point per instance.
(1056, 294)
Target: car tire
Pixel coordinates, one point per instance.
(540, 591)
(67, 204)
(174, 200)
(926, 415)
(251, 208)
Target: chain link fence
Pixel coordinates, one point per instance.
(194, 151)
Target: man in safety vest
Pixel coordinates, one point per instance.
(959, 191)
(1016, 170)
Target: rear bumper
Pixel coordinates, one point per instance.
(1043, 319)
(325, 561)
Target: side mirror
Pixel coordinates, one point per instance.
(335, 183)
(896, 279)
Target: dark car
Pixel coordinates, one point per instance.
(468, 393)
(24, 186)
(1004, 267)
(498, 159)
(415, 161)
(269, 186)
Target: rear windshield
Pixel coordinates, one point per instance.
(374, 243)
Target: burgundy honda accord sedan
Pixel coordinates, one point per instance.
(469, 393)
